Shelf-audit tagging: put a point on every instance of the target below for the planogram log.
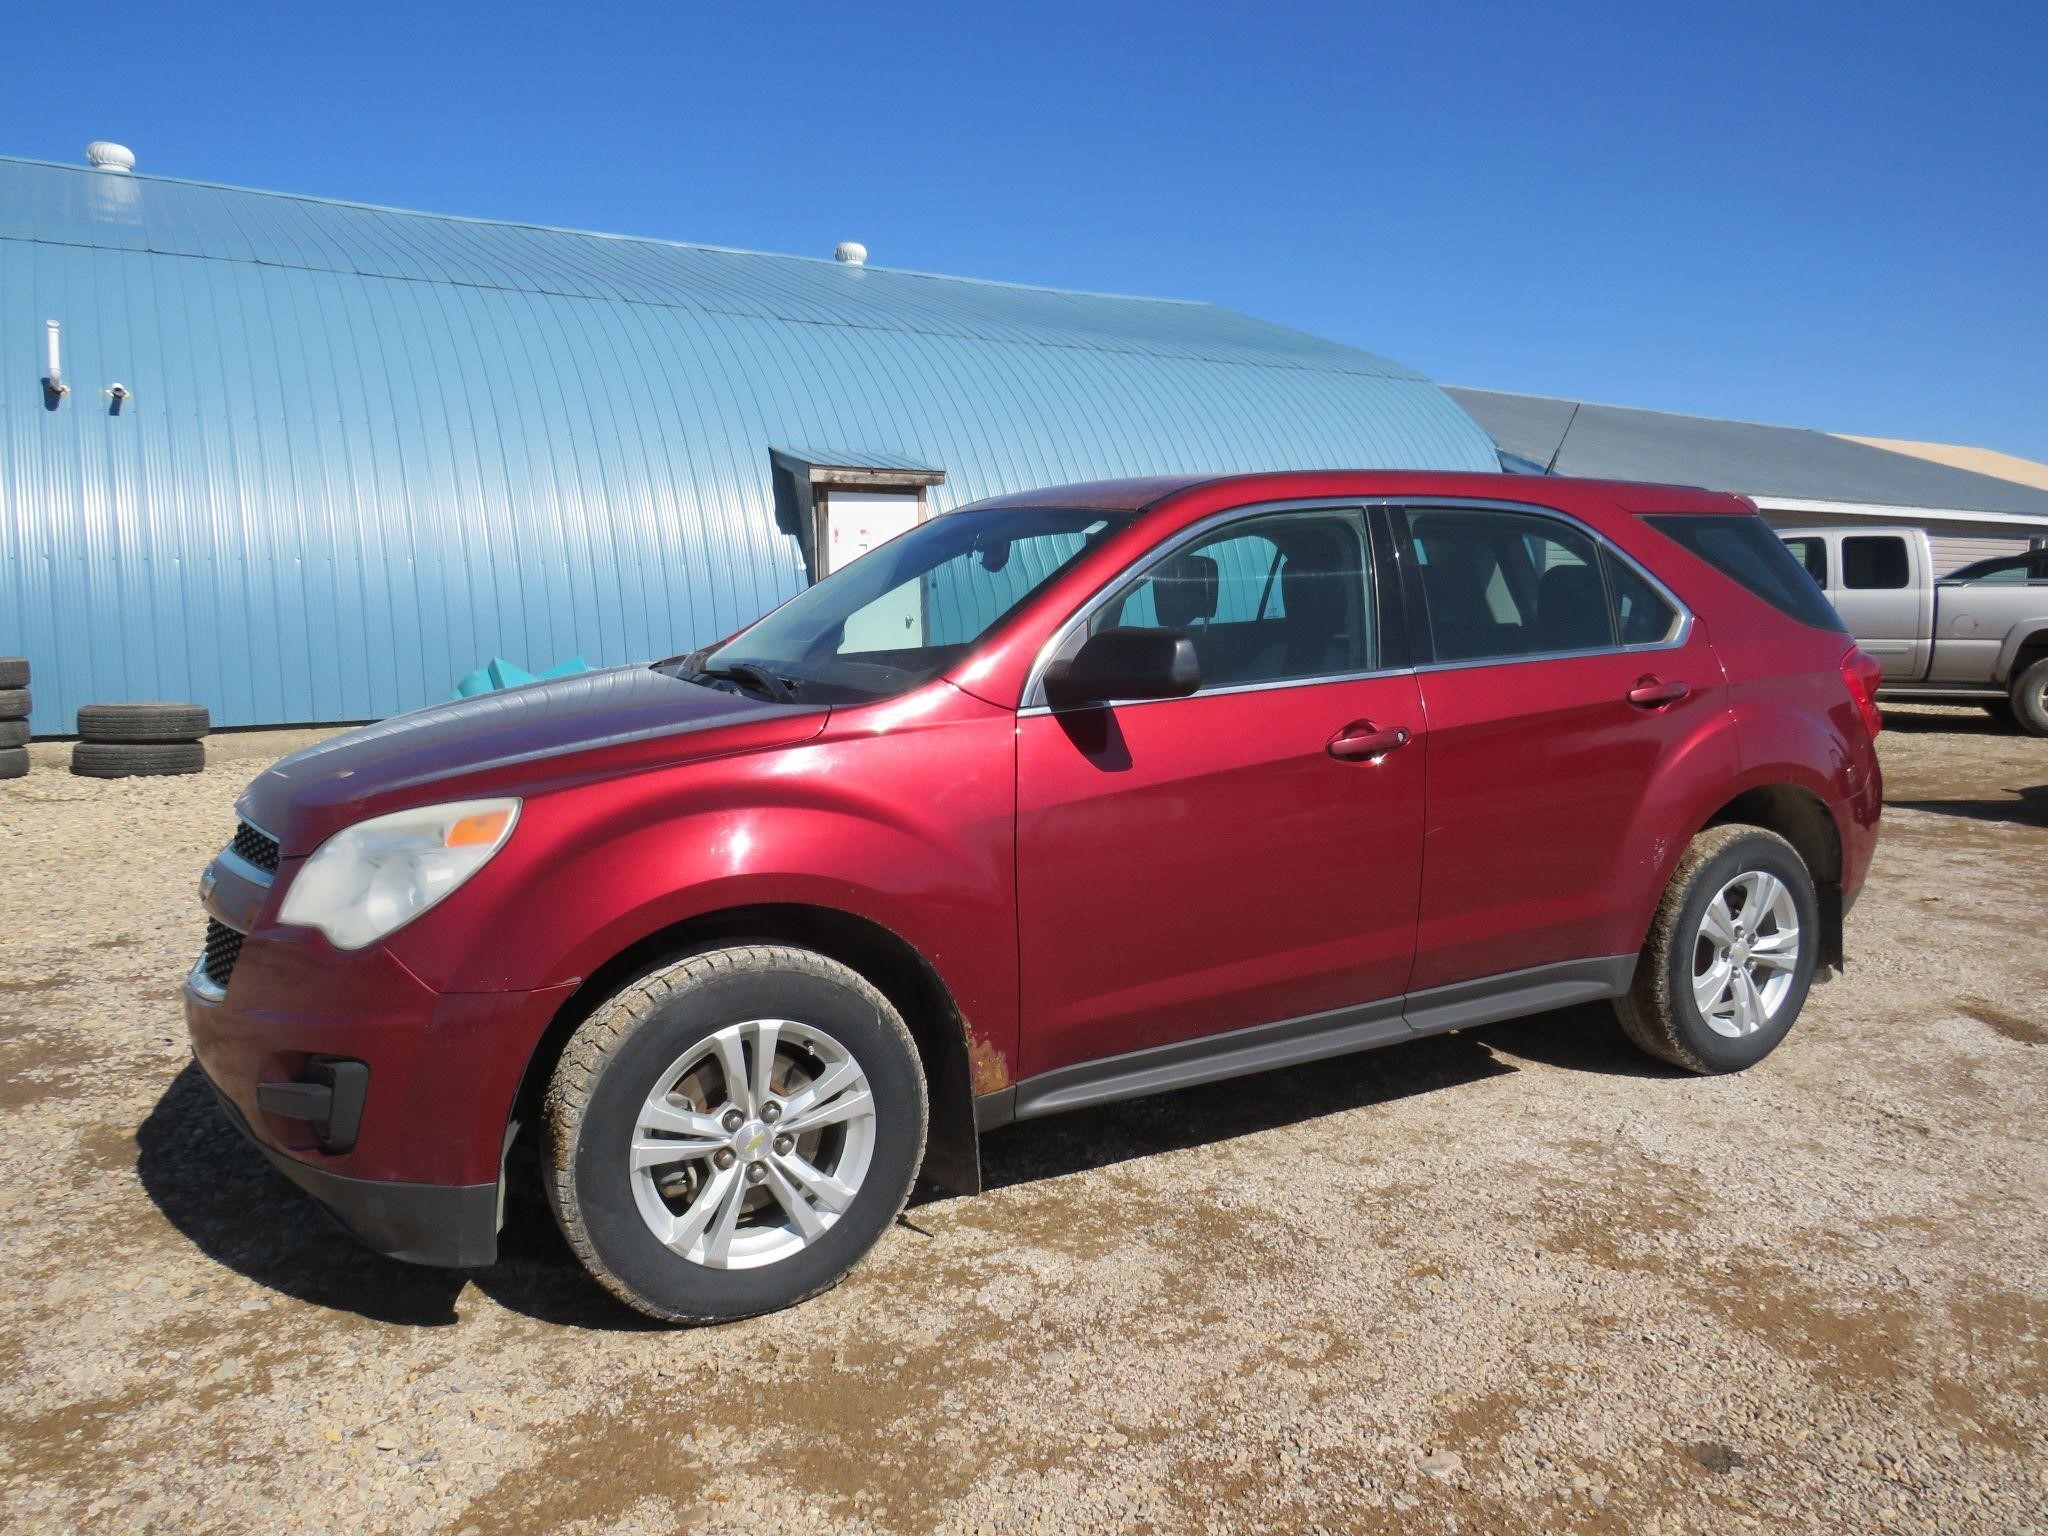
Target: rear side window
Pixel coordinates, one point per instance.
(1746, 551)
(1813, 554)
(1503, 584)
(1874, 563)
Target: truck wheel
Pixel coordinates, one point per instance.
(2030, 699)
(1730, 955)
(732, 1133)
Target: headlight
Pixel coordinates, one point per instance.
(378, 875)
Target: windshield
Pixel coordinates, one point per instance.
(906, 611)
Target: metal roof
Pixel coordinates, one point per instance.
(1611, 442)
(367, 449)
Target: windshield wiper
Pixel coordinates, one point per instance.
(691, 669)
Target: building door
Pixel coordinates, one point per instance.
(854, 523)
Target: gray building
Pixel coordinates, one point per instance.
(1795, 475)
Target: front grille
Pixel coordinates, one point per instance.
(252, 845)
(223, 948)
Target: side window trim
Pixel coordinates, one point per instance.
(1422, 645)
(1370, 518)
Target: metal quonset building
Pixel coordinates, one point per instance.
(362, 450)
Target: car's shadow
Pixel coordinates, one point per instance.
(2028, 809)
(1946, 721)
(221, 1194)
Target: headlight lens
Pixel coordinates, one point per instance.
(378, 875)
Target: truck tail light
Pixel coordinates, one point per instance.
(1862, 673)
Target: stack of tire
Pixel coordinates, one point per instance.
(13, 717)
(125, 741)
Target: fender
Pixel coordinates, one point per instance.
(2023, 633)
(822, 824)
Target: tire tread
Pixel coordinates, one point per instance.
(1645, 1009)
(600, 1037)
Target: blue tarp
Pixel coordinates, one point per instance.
(499, 673)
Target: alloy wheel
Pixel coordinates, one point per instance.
(1746, 955)
(752, 1144)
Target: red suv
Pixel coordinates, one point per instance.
(1057, 799)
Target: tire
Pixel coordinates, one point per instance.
(2030, 699)
(121, 760)
(645, 1039)
(13, 733)
(142, 722)
(1661, 1013)
(13, 671)
(13, 762)
(14, 703)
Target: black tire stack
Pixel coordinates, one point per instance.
(124, 741)
(14, 702)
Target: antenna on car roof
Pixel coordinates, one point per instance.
(1551, 467)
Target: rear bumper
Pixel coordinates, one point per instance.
(452, 1226)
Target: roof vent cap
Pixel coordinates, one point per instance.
(104, 156)
(852, 252)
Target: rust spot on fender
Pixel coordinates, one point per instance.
(990, 1072)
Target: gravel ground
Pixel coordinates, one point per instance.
(1513, 1279)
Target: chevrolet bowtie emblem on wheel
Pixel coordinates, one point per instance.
(754, 1143)
(207, 881)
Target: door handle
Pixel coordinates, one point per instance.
(1361, 741)
(1651, 694)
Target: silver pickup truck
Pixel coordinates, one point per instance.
(1976, 635)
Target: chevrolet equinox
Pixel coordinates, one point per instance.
(1057, 799)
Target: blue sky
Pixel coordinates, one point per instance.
(1834, 216)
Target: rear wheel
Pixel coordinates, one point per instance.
(1730, 956)
(734, 1132)
(2030, 699)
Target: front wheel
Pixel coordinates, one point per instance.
(734, 1132)
(1731, 953)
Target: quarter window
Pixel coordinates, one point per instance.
(1874, 562)
(1279, 597)
(1502, 584)
(1641, 615)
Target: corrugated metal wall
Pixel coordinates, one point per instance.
(367, 450)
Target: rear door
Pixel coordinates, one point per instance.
(1191, 866)
(1883, 594)
(1566, 696)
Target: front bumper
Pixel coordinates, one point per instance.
(418, 1172)
(452, 1226)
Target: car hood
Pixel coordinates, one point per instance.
(497, 743)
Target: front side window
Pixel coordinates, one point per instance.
(1500, 584)
(1278, 597)
(1874, 563)
(904, 612)
(1813, 554)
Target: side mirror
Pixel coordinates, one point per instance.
(1125, 664)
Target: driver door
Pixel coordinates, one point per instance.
(1187, 867)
